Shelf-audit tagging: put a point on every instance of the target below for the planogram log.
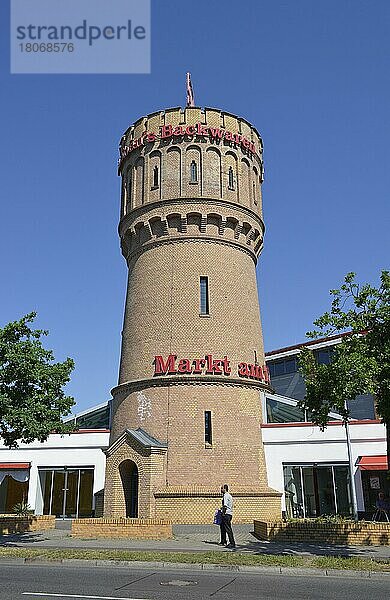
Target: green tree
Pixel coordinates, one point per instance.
(360, 362)
(32, 401)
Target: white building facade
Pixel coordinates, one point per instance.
(311, 466)
(65, 475)
(62, 476)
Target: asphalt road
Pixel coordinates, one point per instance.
(46, 582)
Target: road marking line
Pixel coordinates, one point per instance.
(78, 596)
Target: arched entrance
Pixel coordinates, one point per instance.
(129, 476)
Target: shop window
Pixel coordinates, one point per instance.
(193, 172)
(314, 490)
(13, 490)
(208, 436)
(67, 492)
(85, 493)
(373, 482)
(293, 491)
(204, 296)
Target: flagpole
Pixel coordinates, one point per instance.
(190, 90)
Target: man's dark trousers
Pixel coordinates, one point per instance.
(226, 528)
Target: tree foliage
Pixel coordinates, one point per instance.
(32, 401)
(361, 361)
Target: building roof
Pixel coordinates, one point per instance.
(86, 411)
(331, 340)
(141, 437)
(145, 439)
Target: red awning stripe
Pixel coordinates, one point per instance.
(373, 463)
(13, 466)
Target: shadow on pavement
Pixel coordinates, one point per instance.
(14, 540)
(302, 548)
(191, 538)
(247, 542)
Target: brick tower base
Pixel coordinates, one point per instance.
(178, 504)
(197, 505)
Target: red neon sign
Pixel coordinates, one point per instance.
(208, 365)
(180, 131)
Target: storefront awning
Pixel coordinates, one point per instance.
(18, 471)
(373, 463)
(14, 466)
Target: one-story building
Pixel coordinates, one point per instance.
(65, 475)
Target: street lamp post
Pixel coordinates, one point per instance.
(351, 469)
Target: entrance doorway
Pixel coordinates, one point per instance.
(129, 475)
(67, 493)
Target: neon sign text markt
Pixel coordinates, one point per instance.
(208, 366)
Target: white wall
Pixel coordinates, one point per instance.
(300, 443)
(79, 449)
(283, 443)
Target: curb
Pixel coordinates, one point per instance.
(261, 570)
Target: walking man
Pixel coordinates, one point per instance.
(227, 515)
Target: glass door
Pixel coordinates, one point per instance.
(67, 493)
(343, 490)
(311, 509)
(325, 490)
(293, 491)
(85, 493)
(57, 500)
(71, 493)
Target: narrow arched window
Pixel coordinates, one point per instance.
(128, 185)
(254, 192)
(230, 179)
(155, 177)
(193, 172)
(128, 191)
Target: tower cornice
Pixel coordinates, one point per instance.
(191, 219)
(137, 212)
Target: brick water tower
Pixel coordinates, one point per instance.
(186, 412)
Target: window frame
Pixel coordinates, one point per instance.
(194, 172)
(156, 178)
(204, 296)
(208, 428)
(231, 179)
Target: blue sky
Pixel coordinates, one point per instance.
(313, 77)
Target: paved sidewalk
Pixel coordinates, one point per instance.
(188, 538)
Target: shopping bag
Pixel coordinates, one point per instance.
(217, 517)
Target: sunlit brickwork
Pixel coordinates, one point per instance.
(191, 208)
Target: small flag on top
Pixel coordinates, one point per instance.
(190, 91)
